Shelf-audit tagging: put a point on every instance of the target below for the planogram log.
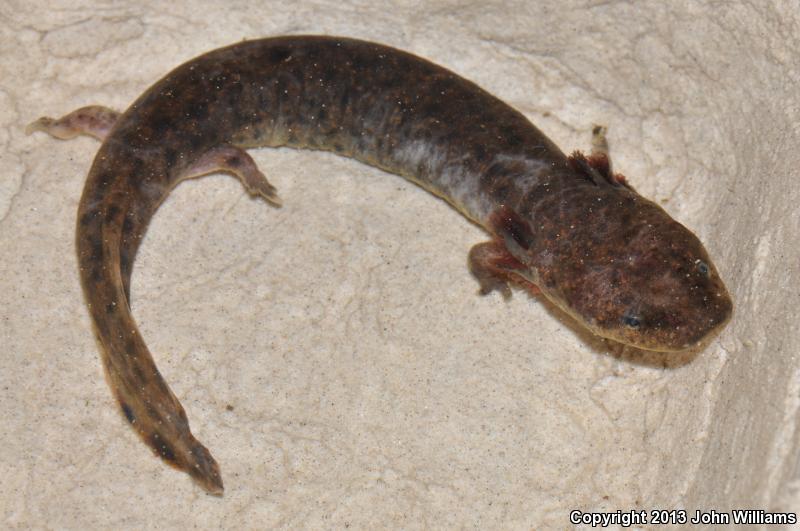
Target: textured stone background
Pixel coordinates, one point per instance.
(370, 386)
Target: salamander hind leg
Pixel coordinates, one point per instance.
(599, 157)
(236, 161)
(598, 164)
(95, 121)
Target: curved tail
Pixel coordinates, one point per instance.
(144, 397)
(118, 201)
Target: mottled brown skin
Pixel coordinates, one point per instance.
(616, 262)
(613, 260)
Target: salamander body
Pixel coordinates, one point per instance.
(563, 225)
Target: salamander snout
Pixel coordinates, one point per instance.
(668, 297)
(635, 275)
(674, 325)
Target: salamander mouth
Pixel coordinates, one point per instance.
(673, 332)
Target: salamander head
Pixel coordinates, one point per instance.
(631, 273)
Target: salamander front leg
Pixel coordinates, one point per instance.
(230, 159)
(95, 121)
(495, 268)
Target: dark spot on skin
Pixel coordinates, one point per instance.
(511, 136)
(130, 346)
(489, 177)
(170, 155)
(127, 225)
(502, 190)
(125, 260)
(233, 94)
(360, 63)
(137, 166)
(111, 213)
(264, 100)
(344, 101)
(152, 413)
(97, 249)
(233, 161)
(329, 75)
(86, 219)
(96, 273)
(229, 407)
(103, 180)
(219, 80)
(111, 307)
(479, 152)
(125, 266)
(199, 111)
(197, 142)
(161, 123)
(137, 371)
(160, 445)
(279, 54)
(128, 412)
(702, 267)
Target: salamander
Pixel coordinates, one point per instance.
(561, 225)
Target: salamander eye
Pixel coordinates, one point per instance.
(631, 321)
(702, 267)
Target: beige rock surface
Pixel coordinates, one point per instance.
(333, 354)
